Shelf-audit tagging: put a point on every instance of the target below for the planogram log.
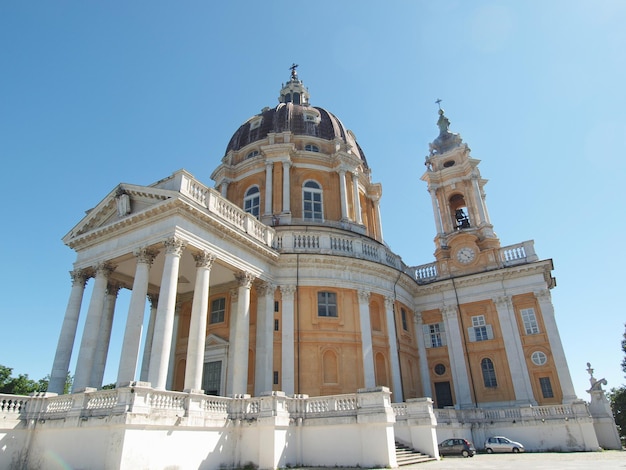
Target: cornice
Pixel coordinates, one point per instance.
(543, 267)
(179, 205)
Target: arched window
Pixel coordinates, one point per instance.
(252, 201)
(489, 373)
(312, 201)
(311, 148)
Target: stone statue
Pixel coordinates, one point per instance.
(596, 385)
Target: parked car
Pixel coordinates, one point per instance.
(457, 446)
(502, 444)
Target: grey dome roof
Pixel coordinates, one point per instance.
(294, 114)
(290, 117)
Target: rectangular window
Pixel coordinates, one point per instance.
(275, 377)
(276, 306)
(326, 304)
(218, 307)
(546, 387)
(276, 325)
(405, 325)
(434, 336)
(530, 321)
(480, 330)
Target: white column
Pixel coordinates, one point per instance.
(242, 342)
(343, 196)
(232, 339)
(269, 167)
(134, 321)
(514, 351)
(164, 327)
(169, 381)
(547, 311)
(224, 188)
(423, 358)
(357, 200)
(197, 325)
(376, 202)
(478, 200)
(286, 188)
(61, 364)
(104, 336)
(263, 371)
(456, 353)
(147, 348)
(87, 351)
(436, 211)
(288, 336)
(369, 376)
(396, 379)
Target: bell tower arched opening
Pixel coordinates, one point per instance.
(461, 214)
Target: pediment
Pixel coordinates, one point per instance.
(214, 340)
(121, 203)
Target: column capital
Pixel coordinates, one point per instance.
(79, 277)
(234, 295)
(269, 164)
(449, 312)
(418, 318)
(364, 296)
(543, 295)
(244, 279)
(503, 301)
(105, 269)
(145, 255)
(174, 246)
(113, 288)
(204, 259)
(288, 291)
(389, 301)
(265, 288)
(154, 299)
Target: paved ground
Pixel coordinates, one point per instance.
(606, 460)
(611, 459)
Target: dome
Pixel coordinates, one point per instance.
(294, 114)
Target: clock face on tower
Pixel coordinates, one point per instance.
(465, 255)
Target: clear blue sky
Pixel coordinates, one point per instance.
(97, 93)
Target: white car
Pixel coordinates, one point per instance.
(502, 444)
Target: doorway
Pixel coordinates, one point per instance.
(443, 394)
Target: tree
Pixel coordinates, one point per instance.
(20, 385)
(617, 396)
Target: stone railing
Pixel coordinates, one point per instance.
(12, 405)
(511, 255)
(518, 254)
(578, 409)
(209, 198)
(139, 398)
(326, 241)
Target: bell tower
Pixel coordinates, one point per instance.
(465, 240)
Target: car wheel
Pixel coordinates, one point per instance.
(515, 450)
(465, 453)
(489, 450)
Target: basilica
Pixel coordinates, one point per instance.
(274, 285)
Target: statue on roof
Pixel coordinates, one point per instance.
(596, 385)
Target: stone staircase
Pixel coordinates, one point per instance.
(407, 456)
